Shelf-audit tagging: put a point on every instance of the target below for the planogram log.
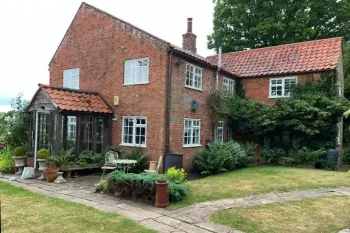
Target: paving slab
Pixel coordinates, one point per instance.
(160, 227)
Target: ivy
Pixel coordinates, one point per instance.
(311, 113)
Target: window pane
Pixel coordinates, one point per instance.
(136, 71)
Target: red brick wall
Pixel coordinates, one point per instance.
(181, 98)
(258, 88)
(99, 44)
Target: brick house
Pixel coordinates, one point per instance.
(154, 94)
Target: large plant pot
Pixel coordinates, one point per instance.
(51, 174)
(30, 162)
(43, 164)
(153, 165)
(162, 194)
(20, 162)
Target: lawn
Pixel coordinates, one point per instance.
(25, 211)
(312, 215)
(257, 180)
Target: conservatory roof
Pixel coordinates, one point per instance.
(76, 100)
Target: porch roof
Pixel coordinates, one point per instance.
(76, 100)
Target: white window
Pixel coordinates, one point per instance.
(220, 131)
(134, 131)
(192, 132)
(71, 78)
(228, 85)
(71, 127)
(193, 77)
(136, 71)
(281, 87)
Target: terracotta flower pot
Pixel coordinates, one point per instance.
(30, 162)
(51, 174)
(162, 194)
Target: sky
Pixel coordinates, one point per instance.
(31, 31)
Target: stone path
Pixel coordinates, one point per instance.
(191, 219)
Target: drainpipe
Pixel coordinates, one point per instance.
(167, 134)
(218, 70)
(217, 87)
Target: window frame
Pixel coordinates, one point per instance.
(283, 85)
(228, 85)
(191, 133)
(217, 131)
(69, 82)
(134, 131)
(201, 77)
(136, 60)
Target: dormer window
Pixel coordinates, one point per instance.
(193, 77)
(71, 78)
(281, 87)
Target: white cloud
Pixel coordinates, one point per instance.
(32, 30)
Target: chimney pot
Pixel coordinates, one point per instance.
(189, 24)
(189, 39)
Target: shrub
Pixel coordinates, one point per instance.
(143, 185)
(177, 175)
(219, 157)
(102, 186)
(346, 156)
(6, 162)
(272, 155)
(19, 151)
(43, 154)
(305, 156)
(249, 148)
(138, 155)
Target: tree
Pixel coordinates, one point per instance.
(16, 130)
(240, 24)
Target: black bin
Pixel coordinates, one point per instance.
(332, 158)
(173, 160)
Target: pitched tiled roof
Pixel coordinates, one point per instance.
(76, 100)
(310, 56)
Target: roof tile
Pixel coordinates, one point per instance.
(77, 100)
(316, 55)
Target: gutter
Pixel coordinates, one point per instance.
(218, 70)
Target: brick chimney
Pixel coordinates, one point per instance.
(189, 39)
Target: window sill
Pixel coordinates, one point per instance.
(191, 146)
(277, 97)
(132, 145)
(135, 84)
(193, 88)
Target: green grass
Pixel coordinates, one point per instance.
(257, 180)
(308, 216)
(25, 211)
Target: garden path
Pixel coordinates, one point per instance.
(194, 218)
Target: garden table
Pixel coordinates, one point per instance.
(124, 164)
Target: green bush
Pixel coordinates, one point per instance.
(305, 156)
(177, 175)
(346, 156)
(143, 185)
(138, 155)
(19, 151)
(102, 186)
(219, 157)
(272, 155)
(6, 162)
(43, 154)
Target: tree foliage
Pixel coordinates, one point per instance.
(16, 130)
(311, 113)
(240, 24)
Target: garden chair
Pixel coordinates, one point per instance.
(158, 166)
(111, 158)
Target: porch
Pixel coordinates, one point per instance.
(70, 123)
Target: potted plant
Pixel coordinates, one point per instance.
(43, 156)
(20, 158)
(30, 159)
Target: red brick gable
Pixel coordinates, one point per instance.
(310, 56)
(76, 100)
